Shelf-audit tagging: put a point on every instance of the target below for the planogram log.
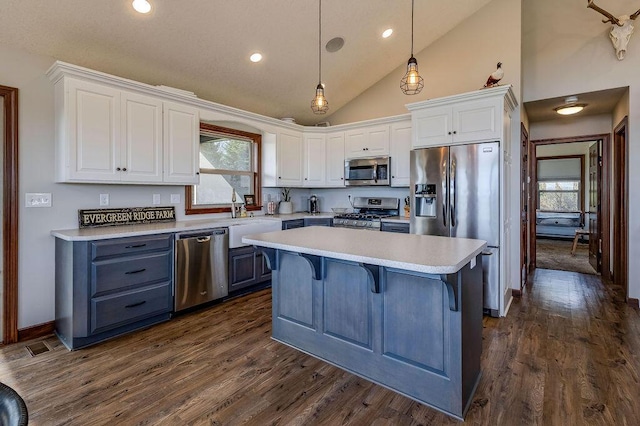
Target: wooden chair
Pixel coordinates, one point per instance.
(579, 234)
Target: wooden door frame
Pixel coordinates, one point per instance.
(621, 205)
(605, 196)
(525, 200)
(9, 96)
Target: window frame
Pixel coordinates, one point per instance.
(581, 188)
(256, 138)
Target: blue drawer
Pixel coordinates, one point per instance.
(123, 272)
(131, 245)
(129, 306)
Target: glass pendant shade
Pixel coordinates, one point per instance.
(412, 83)
(319, 104)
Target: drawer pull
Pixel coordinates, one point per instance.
(133, 305)
(136, 246)
(136, 271)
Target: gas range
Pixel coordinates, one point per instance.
(369, 213)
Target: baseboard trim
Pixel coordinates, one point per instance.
(516, 293)
(36, 331)
(634, 303)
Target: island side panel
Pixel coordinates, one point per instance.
(471, 290)
(405, 337)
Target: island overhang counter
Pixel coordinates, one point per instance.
(403, 311)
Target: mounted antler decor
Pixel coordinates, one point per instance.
(621, 28)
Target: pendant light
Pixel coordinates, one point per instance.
(412, 83)
(319, 104)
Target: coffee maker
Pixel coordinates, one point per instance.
(314, 204)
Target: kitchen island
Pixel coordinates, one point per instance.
(403, 311)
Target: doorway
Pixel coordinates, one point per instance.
(9, 130)
(564, 227)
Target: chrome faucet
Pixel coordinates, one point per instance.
(233, 204)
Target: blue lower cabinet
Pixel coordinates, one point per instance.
(291, 224)
(247, 268)
(107, 288)
(418, 334)
(401, 228)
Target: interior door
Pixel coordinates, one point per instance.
(595, 188)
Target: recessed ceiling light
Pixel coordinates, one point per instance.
(141, 6)
(256, 57)
(387, 33)
(570, 107)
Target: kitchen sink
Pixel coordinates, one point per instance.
(239, 230)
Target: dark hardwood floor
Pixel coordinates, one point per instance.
(568, 353)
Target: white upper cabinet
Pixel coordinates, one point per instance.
(400, 148)
(289, 158)
(110, 135)
(368, 141)
(141, 141)
(88, 143)
(335, 160)
(181, 144)
(315, 148)
(473, 117)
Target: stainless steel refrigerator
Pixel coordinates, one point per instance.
(455, 192)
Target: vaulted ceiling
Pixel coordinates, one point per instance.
(203, 46)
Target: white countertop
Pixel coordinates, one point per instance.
(419, 253)
(119, 231)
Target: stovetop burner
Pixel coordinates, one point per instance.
(370, 211)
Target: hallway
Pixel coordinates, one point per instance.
(567, 354)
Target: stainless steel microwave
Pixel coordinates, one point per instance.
(367, 171)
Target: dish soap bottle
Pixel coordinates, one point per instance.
(243, 211)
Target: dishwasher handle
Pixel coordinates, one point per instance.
(202, 236)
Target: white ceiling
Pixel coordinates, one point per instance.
(203, 46)
(599, 102)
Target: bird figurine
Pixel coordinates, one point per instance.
(495, 76)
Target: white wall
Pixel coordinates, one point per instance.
(460, 61)
(568, 51)
(566, 127)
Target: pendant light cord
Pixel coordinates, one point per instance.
(320, 41)
(412, 28)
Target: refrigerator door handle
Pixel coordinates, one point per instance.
(452, 193)
(445, 199)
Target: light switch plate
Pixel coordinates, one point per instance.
(37, 199)
(104, 199)
(156, 199)
(175, 198)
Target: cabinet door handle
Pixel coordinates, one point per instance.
(136, 271)
(454, 132)
(133, 305)
(136, 246)
(449, 132)
(118, 168)
(124, 169)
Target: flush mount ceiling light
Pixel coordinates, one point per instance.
(319, 104)
(412, 83)
(387, 33)
(141, 6)
(570, 106)
(256, 57)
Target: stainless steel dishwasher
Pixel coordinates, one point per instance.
(201, 267)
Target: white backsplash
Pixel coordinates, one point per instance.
(334, 197)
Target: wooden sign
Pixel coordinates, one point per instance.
(126, 216)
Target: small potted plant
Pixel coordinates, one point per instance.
(286, 206)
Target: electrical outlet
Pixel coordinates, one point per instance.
(175, 198)
(37, 199)
(104, 199)
(156, 199)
